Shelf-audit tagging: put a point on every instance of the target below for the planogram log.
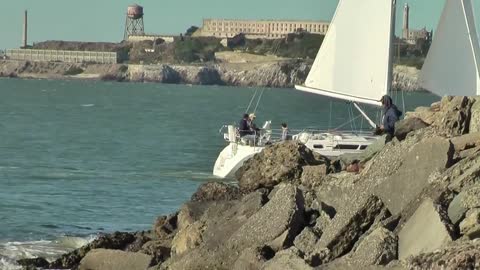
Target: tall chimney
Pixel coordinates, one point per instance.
(406, 18)
(25, 30)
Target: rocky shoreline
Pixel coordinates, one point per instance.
(412, 203)
(279, 74)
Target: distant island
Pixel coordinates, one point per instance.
(188, 59)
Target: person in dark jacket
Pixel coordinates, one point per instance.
(391, 114)
(244, 127)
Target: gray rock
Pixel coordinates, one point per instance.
(313, 175)
(475, 116)
(460, 255)
(283, 213)
(424, 232)
(158, 249)
(453, 118)
(466, 141)
(286, 260)
(430, 156)
(463, 174)
(466, 200)
(306, 240)
(347, 227)
(253, 258)
(281, 162)
(405, 126)
(165, 226)
(470, 226)
(104, 259)
(216, 191)
(377, 248)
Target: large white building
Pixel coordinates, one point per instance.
(224, 28)
(412, 35)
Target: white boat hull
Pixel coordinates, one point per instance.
(232, 158)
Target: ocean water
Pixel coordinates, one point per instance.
(79, 158)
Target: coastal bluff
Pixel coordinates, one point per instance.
(412, 203)
(283, 73)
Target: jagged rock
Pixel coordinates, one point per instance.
(424, 232)
(405, 126)
(281, 162)
(117, 240)
(188, 238)
(430, 156)
(306, 241)
(313, 175)
(158, 249)
(283, 213)
(464, 201)
(153, 73)
(463, 174)
(470, 226)
(377, 248)
(104, 259)
(347, 226)
(287, 259)
(165, 226)
(466, 141)
(33, 263)
(140, 239)
(216, 191)
(426, 114)
(475, 116)
(462, 255)
(253, 258)
(454, 115)
(322, 222)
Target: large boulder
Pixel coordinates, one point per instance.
(464, 201)
(282, 216)
(104, 259)
(347, 226)
(377, 248)
(432, 155)
(280, 162)
(313, 175)
(287, 259)
(470, 226)
(216, 191)
(188, 238)
(424, 232)
(405, 126)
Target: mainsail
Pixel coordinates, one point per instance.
(452, 67)
(356, 65)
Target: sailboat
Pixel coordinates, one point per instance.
(351, 65)
(355, 66)
(452, 63)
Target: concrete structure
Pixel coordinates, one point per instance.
(412, 35)
(134, 21)
(224, 28)
(138, 38)
(25, 30)
(63, 56)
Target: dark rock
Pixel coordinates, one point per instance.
(159, 250)
(424, 232)
(117, 240)
(216, 191)
(140, 239)
(281, 162)
(33, 263)
(165, 226)
(405, 126)
(104, 259)
(347, 227)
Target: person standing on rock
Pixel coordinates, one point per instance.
(391, 114)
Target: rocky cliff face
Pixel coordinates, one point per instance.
(284, 74)
(412, 203)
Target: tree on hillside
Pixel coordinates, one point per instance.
(191, 30)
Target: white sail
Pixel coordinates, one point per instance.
(356, 65)
(451, 67)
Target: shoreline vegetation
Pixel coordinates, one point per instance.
(412, 203)
(278, 63)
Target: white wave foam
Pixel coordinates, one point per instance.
(88, 105)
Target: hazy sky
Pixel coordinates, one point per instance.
(104, 20)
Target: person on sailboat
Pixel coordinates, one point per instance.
(284, 132)
(244, 127)
(251, 124)
(391, 114)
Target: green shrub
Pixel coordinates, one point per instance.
(73, 71)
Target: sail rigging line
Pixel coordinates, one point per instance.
(251, 100)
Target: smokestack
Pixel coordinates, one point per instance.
(406, 18)
(25, 30)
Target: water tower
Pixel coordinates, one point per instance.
(134, 22)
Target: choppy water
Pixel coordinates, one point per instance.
(79, 158)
